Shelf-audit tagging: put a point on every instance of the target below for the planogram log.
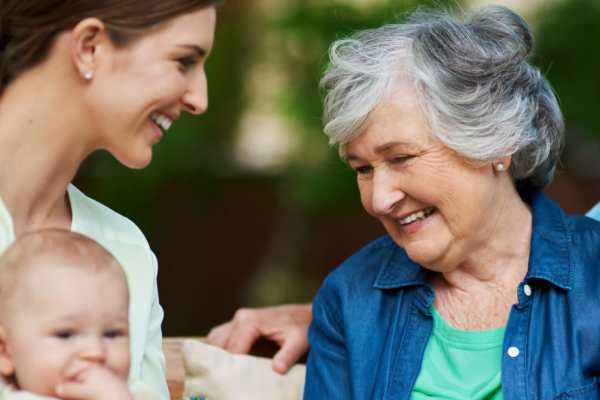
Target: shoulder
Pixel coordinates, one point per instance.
(575, 238)
(584, 232)
(97, 220)
(584, 236)
(116, 233)
(365, 262)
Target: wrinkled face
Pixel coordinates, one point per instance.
(62, 321)
(145, 86)
(433, 203)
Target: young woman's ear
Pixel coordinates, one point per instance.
(7, 367)
(88, 39)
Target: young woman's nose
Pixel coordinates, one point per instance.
(385, 193)
(195, 99)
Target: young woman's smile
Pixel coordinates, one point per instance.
(141, 89)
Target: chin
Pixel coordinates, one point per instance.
(425, 253)
(139, 162)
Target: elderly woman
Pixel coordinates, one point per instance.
(483, 288)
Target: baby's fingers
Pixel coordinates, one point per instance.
(74, 390)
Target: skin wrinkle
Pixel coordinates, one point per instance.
(489, 306)
(469, 251)
(486, 308)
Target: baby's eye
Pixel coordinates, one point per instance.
(114, 333)
(64, 334)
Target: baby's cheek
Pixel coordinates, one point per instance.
(122, 361)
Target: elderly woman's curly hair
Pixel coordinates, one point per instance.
(476, 88)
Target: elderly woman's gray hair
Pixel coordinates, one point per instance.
(478, 92)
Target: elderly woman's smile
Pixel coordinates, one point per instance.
(484, 288)
(436, 204)
(413, 218)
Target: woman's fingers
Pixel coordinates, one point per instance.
(219, 335)
(294, 347)
(287, 325)
(246, 329)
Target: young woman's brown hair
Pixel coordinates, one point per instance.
(28, 27)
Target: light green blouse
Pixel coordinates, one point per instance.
(460, 364)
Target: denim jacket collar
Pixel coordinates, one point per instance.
(400, 271)
(549, 260)
(550, 257)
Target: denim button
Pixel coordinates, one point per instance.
(513, 351)
(527, 290)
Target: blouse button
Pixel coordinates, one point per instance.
(527, 290)
(513, 351)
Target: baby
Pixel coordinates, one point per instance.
(64, 322)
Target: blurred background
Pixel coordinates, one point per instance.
(248, 206)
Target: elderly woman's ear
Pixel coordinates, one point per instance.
(501, 164)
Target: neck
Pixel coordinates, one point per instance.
(501, 260)
(41, 148)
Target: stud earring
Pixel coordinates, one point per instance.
(500, 167)
(88, 74)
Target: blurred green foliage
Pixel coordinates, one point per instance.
(197, 152)
(195, 161)
(316, 180)
(567, 51)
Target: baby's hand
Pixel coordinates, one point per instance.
(90, 381)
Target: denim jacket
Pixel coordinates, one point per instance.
(372, 319)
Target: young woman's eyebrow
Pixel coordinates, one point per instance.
(197, 49)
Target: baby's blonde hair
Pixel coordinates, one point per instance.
(63, 248)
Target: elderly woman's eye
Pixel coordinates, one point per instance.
(362, 170)
(400, 159)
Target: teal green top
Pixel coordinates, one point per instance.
(460, 364)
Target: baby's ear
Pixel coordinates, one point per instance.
(6, 365)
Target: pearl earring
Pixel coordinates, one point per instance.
(499, 167)
(88, 74)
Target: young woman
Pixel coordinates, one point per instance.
(80, 76)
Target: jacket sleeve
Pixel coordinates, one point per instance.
(328, 374)
(153, 371)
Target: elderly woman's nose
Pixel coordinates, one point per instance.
(385, 194)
